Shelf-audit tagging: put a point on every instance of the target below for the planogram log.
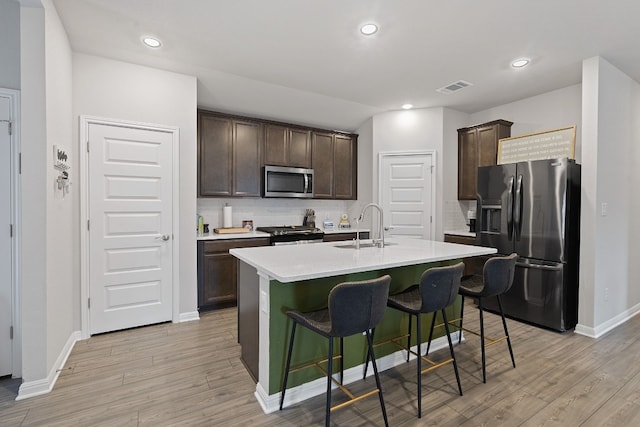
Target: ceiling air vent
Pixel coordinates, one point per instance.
(453, 87)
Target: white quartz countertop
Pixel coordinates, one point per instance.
(292, 263)
(226, 236)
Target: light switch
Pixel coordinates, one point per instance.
(603, 209)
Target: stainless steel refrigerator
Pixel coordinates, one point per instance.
(533, 209)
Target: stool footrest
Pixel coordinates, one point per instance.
(491, 341)
(353, 399)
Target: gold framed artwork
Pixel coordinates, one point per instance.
(550, 144)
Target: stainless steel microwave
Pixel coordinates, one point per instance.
(282, 181)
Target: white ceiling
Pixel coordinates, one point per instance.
(306, 62)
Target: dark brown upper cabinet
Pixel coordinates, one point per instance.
(286, 146)
(229, 156)
(335, 165)
(478, 146)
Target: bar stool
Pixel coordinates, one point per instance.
(438, 289)
(353, 308)
(497, 278)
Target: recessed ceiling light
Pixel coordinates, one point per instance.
(151, 42)
(520, 63)
(407, 106)
(369, 29)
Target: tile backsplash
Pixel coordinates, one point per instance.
(273, 212)
(455, 213)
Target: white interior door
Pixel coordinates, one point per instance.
(6, 258)
(406, 193)
(130, 226)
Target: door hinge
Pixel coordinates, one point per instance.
(20, 163)
(88, 227)
(88, 302)
(10, 128)
(87, 146)
(11, 230)
(431, 219)
(11, 332)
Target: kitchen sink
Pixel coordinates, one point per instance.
(352, 245)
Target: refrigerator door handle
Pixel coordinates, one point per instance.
(540, 266)
(510, 209)
(517, 210)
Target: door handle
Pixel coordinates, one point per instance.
(164, 237)
(540, 266)
(510, 209)
(517, 210)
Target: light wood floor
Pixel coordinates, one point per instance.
(190, 374)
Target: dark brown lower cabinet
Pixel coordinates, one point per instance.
(473, 265)
(217, 271)
(339, 237)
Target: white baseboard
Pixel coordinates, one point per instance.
(45, 385)
(603, 328)
(188, 317)
(271, 403)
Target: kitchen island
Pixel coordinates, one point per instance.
(274, 279)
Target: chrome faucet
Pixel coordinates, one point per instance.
(380, 242)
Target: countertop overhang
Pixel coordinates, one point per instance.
(292, 263)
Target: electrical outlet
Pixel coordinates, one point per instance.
(606, 294)
(603, 209)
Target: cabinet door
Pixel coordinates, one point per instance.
(219, 274)
(275, 145)
(487, 138)
(299, 148)
(322, 159)
(467, 164)
(215, 156)
(345, 168)
(247, 156)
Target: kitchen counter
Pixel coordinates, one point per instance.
(274, 279)
(292, 263)
(226, 236)
(461, 232)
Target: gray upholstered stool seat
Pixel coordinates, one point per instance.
(353, 308)
(497, 278)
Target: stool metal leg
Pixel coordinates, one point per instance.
(433, 323)
(419, 365)
(368, 357)
(409, 339)
(329, 375)
(506, 332)
(341, 360)
(372, 355)
(286, 369)
(484, 368)
(453, 356)
(461, 317)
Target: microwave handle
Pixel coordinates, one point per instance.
(306, 183)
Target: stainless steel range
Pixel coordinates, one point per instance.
(293, 234)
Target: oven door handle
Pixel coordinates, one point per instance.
(306, 183)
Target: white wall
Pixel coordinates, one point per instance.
(34, 195)
(551, 110)
(62, 238)
(9, 44)
(411, 130)
(118, 90)
(610, 110)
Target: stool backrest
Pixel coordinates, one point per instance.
(355, 307)
(498, 275)
(439, 287)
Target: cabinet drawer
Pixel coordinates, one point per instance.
(339, 237)
(217, 246)
(463, 240)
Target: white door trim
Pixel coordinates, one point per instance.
(16, 215)
(85, 122)
(432, 153)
